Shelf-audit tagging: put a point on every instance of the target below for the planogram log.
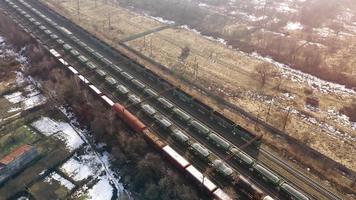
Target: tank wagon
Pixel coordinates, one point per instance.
(138, 126)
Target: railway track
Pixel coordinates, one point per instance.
(73, 28)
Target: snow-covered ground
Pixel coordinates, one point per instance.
(61, 130)
(93, 165)
(62, 181)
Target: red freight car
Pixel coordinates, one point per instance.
(129, 118)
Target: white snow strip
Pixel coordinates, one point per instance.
(292, 26)
(15, 109)
(15, 97)
(64, 182)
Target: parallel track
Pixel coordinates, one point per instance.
(111, 54)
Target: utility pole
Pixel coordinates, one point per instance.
(286, 118)
(78, 9)
(109, 20)
(195, 68)
(151, 55)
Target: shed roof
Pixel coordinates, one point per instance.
(15, 154)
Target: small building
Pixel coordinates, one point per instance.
(16, 160)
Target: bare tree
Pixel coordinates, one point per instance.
(184, 53)
(264, 73)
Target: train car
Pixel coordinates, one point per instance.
(83, 60)
(107, 101)
(182, 96)
(201, 179)
(121, 90)
(148, 110)
(42, 28)
(74, 39)
(165, 103)
(127, 76)
(267, 175)
(81, 44)
(222, 168)
(65, 63)
(153, 139)
(199, 127)
(90, 65)
(116, 69)
(38, 24)
(67, 47)
(90, 50)
(54, 36)
(180, 136)
(181, 115)
(98, 55)
(202, 108)
(138, 84)
(83, 80)
(150, 93)
(221, 195)
(292, 193)
(100, 74)
(73, 71)
(162, 121)
(74, 53)
(242, 158)
(219, 141)
(65, 31)
(200, 151)
(129, 118)
(106, 62)
(134, 100)
(55, 53)
(249, 188)
(48, 32)
(32, 20)
(150, 75)
(95, 90)
(60, 41)
(246, 135)
(175, 157)
(111, 82)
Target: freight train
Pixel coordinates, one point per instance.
(177, 134)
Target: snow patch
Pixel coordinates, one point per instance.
(62, 181)
(15, 97)
(293, 26)
(101, 190)
(77, 169)
(301, 77)
(63, 131)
